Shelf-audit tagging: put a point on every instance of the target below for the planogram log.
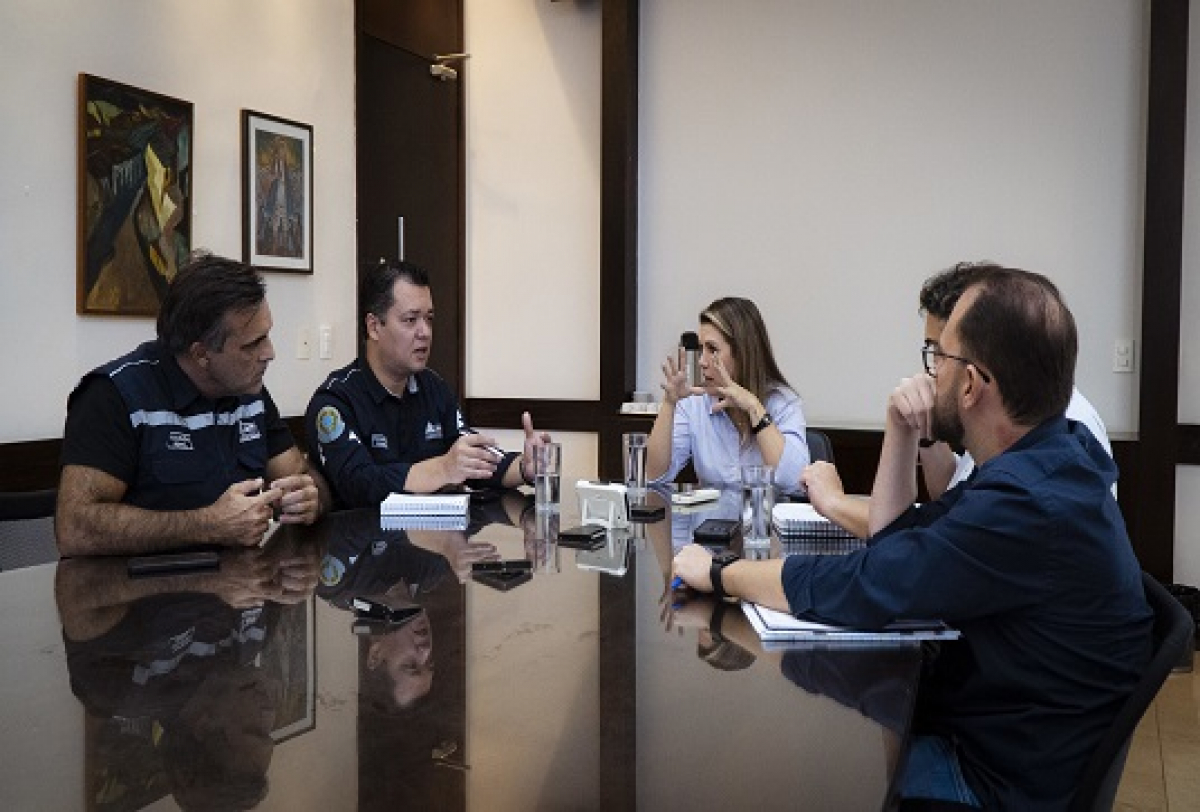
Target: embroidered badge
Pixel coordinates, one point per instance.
(179, 441)
(248, 432)
(329, 424)
(332, 571)
(433, 431)
(379, 441)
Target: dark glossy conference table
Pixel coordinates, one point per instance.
(579, 689)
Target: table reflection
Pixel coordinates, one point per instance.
(590, 686)
(185, 691)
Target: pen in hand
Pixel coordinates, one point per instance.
(496, 450)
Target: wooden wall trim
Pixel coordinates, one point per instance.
(29, 466)
(551, 415)
(1189, 444)
(1158, 396)
(618, 201)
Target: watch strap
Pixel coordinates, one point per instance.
(762, 423)
(716, 574)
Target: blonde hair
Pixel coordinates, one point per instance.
(739, 321)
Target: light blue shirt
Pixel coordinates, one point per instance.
(711, 442)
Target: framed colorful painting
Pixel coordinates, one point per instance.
(135, 187)
(277, 199)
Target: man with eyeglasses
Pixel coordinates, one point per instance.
(942, 467)
(1029, 559)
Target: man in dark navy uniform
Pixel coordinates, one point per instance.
(178, 443)
(386, 423)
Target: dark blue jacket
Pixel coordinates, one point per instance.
(364, 439)
(142, 420)
(1030, 560)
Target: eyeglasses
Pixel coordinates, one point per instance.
(930, 353)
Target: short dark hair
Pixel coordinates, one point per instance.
(941, 292)
(203, 291)
(377, 281)
(1021, 331)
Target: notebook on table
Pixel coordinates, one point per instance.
(778, 629)
(803, 531)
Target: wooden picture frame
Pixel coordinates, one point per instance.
(277, 193)
(290, 658)
(134, 218)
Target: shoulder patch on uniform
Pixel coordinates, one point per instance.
(332, 571)
(329, 424)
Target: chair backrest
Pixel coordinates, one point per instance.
(27, 528)
(819, 447)
(1173, 631)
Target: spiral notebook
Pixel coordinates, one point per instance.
(435, 511)
(802, 521)
(775, 627)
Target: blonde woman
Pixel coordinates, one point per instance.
(742, 413)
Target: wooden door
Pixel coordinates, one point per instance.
(410, 156)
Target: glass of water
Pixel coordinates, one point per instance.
(634, 446)
(547, 475)
(758, 499)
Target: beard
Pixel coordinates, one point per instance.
(946, 424)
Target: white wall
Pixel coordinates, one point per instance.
(289, 58)
(823, 157)
(533, 199)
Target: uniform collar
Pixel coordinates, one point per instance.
(184, 391)
(379, 392)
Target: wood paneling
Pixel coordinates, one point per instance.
(1166, 128)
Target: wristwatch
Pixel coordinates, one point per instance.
(762, 424)
(719, 562)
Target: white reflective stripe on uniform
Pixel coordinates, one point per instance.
(197, 421)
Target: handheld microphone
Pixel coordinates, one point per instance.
(689, 346)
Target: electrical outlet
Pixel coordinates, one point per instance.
(1123, 355)
(325, 341)
(304, 344)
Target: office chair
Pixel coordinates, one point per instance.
(819, 447)
(27, 528)
(1173, 631)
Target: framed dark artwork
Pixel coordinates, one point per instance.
(135, 196)
(277, 193)
(290, 660)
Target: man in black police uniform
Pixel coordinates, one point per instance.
(178, 443)
(386, 423)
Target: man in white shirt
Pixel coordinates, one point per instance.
(941, 467)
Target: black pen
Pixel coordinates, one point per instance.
(495, 449)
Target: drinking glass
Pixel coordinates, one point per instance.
(758, 499)
(547, 468)
(633, 446)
